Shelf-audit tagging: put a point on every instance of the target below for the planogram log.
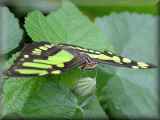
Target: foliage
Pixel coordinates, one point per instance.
(10, 31)
(132, 92)
(119, 92)
(67, 25)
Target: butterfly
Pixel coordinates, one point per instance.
(43, 58)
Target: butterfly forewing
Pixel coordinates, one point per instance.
(40, 59)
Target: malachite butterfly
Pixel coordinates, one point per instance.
(42, 58)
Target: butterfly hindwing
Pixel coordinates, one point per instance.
(108, 57)
(40, 59)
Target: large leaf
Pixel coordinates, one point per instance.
(10, 31)
(38, 98)
(66, 25)
(132, 93)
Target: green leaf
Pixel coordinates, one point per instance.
(132, 93)
(89, 108)
(10, 32)
(93, 109)
(38, 98)
(5, 64)
(66, 25)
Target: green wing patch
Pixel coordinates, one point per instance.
(57, 59)
(40, 59)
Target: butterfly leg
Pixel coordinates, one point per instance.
(88, 64)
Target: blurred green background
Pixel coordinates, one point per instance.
(93, 7)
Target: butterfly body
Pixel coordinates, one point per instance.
(40, 59)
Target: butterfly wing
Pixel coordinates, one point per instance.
(40, 59)
(110, 58)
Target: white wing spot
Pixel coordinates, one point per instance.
(26, 56)
(116, 59)
(92, 51)
(142, 64)
(109, 52)
(126, 60)
(43, 48)
(135, 67)
(97, 52)
(48, 46)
